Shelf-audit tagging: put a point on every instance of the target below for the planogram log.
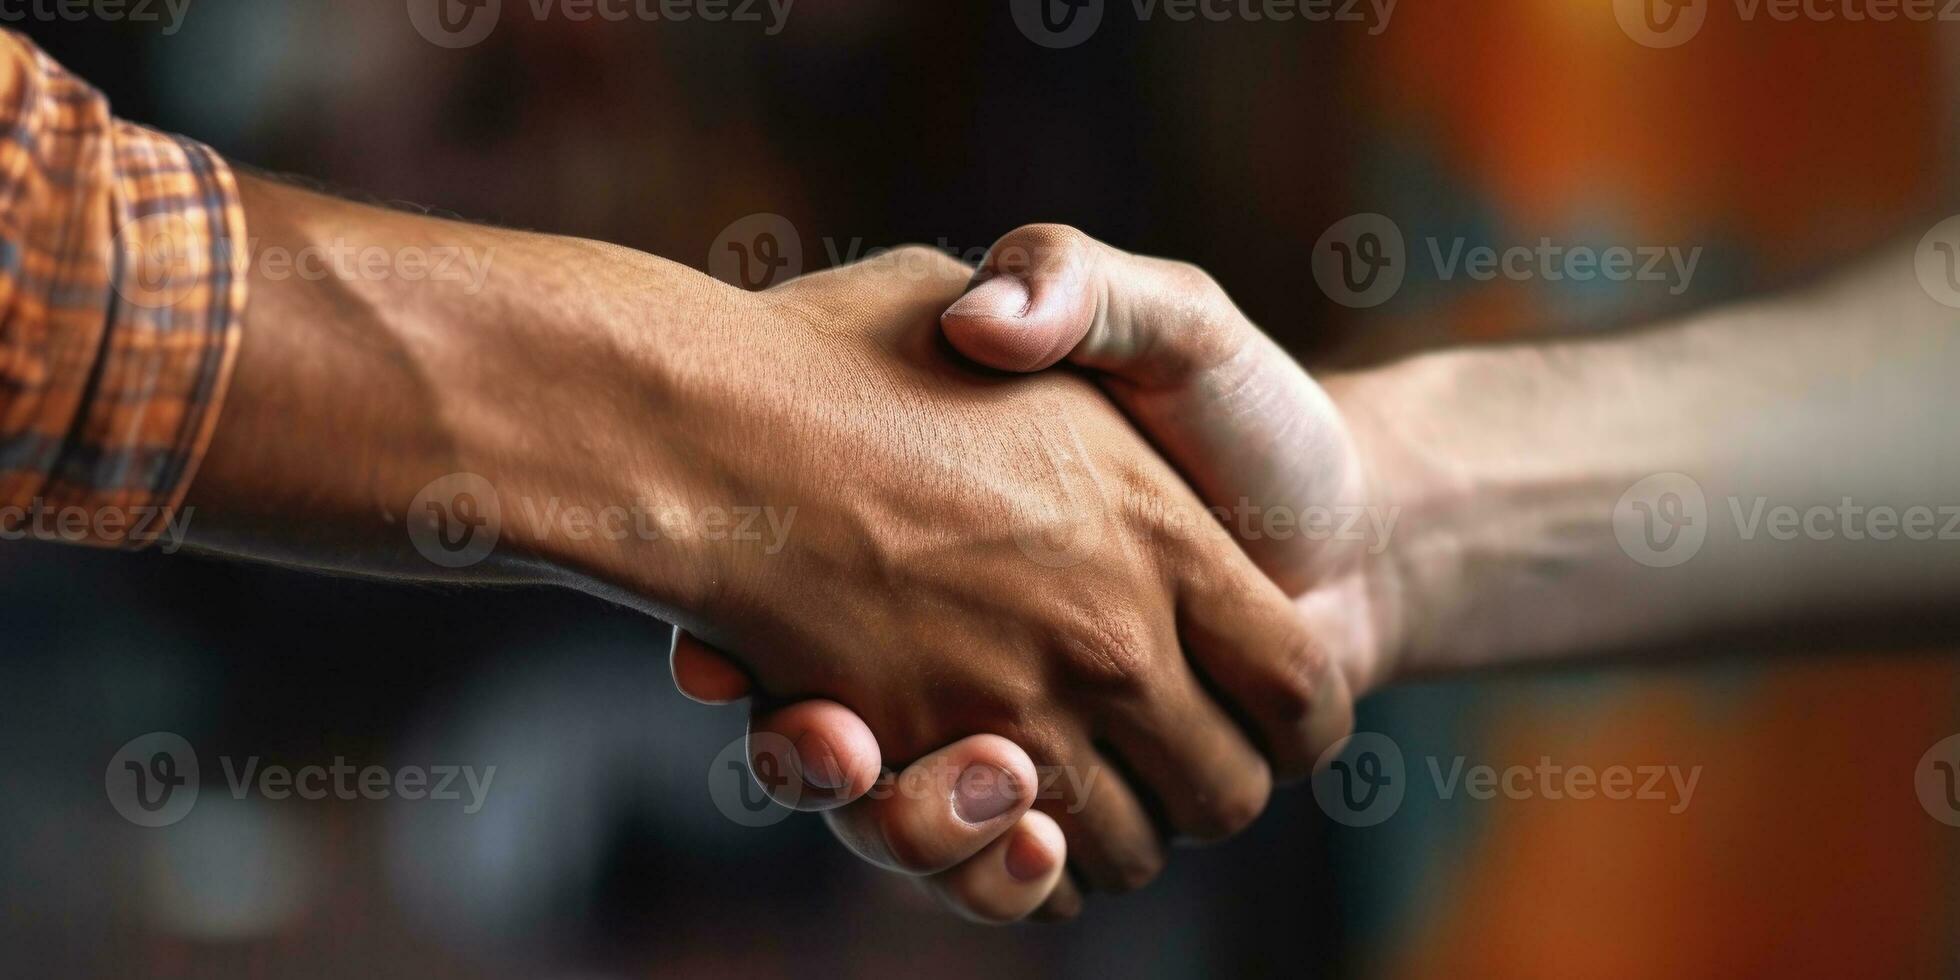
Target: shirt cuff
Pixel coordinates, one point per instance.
(177, 277)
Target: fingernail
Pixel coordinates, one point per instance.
(819, 764)
(1027, 860)
(984, 792)
(999, 298)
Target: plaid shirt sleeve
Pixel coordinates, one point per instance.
(121, 296)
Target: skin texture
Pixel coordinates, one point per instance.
(982, 555)
(1245, 426)
(971, 554)
(1507, 468)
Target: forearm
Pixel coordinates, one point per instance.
(384, 350)
(1507, 466)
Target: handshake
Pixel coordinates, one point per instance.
(1088, 619)
(1077, 553)
(1067, 513)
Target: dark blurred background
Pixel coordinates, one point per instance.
(1779, 148)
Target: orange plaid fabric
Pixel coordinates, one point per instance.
(121, 296)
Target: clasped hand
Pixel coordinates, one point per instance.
(1009, 580)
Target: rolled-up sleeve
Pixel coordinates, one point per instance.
(122, 290)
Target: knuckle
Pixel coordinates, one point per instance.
(1176, 525)
(1028, 726)
(1218, 332)
(1289, 699)
(1295, 694)
(1107, 650)
(1050, 232)
(1193, 280)
(1232, 811)
(1204, 330)
(1038, 250)
(1228, 591)
(1294, 687)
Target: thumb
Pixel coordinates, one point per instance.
(1049, 292)
(1238, 417)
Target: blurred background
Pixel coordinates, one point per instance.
(1778, 148)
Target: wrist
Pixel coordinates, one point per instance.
(395, 369)
(1504, 511)
(1410, 573)
(597, 480)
